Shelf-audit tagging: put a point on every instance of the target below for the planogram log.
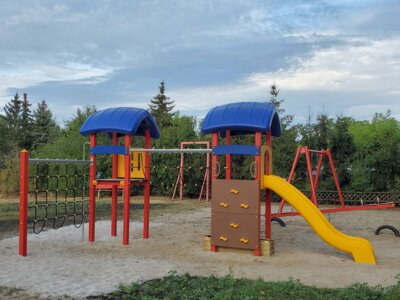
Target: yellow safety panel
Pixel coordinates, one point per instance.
(360, 248)
(137, 165)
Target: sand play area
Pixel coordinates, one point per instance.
(60, 263)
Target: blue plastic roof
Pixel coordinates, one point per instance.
(123, 120)
(242, 118)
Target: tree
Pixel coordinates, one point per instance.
(343, 149)
(12, 120)
(286, 120)
(45, 128)
(182, 128)
(322, 131)
(378, 148)
(5, 143)
(161, 107)
(26, 124)
(284, 147)
(307, 131)
(385, 152)
(69, 143)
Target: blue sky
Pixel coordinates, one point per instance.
(336, 56)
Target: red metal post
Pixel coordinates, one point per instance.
(208, 174)
(335, 177)
(228, 157)
(214, 175)
(181, 174)
(114, 190)
(268, 193)
(147, 162)
(319, 166)
(92, 190)
(214, 158)
(296, 160)
(127, 190)
(309, 171)
(23, 201)
(258, 142)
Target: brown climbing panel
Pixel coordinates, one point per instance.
(235, 230)
(235, 196)
(235, 218)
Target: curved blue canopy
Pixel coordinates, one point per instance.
(242, 118)
(123, 120)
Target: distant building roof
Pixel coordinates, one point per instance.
(123, 120)
(243, 118)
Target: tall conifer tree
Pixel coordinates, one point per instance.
(284, 147)
(13, 119)
(44, 127)
(26, 123)
(161, 107)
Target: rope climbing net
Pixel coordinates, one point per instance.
(57, 193)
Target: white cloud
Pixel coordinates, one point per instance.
(372, 67)
(20, 77)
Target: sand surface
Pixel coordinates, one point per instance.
(60, 263)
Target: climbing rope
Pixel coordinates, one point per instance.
(58, 189)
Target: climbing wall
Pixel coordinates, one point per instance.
(235, 214)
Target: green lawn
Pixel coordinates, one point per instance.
(193, 287)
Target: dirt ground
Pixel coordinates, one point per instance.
(60, 263)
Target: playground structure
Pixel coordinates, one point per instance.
(236, 205)
(235, 217)
(118, 122)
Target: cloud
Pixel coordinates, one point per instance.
(20, 77)
(209, 53)
(371, 67)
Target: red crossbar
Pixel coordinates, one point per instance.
(339, 209)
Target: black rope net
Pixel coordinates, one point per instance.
(57, 195)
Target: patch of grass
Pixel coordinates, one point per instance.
(12, 293)
(176, 286)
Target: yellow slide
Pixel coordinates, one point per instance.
(360, 248)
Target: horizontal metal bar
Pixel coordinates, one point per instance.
(58, 161)
(317, 151)
(174, 150)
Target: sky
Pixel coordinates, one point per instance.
(336, 57)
